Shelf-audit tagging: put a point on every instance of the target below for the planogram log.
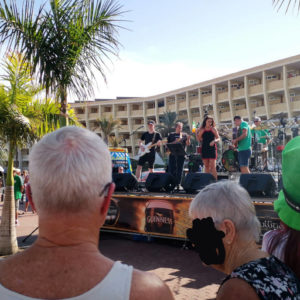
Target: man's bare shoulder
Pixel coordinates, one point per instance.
(148, 286)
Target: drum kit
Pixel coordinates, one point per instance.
(265, 157)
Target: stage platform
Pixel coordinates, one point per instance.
(166, 214)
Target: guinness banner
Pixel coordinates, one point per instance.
(165, 215)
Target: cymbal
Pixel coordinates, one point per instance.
(260, 127)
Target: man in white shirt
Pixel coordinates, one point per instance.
(72, 203)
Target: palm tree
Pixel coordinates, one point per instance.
(107, 126)
(20, 124)
(280, 3)
(168, 121)
(65, 44)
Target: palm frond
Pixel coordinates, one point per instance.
(65, 43)
(288, 4)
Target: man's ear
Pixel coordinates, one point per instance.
(107, 196)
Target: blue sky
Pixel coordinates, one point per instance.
(170, 44)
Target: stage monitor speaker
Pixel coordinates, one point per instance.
(194, 182)
(160, 182)
(124, 181)
(259, 184)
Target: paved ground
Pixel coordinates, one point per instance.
(181, 269)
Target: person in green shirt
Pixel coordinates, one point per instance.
(261, 136)
(18, 189)
(243, 142)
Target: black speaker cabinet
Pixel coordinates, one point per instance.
(259, 184)
(124, 181)
(194, 182)
(160, 182)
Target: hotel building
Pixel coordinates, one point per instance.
(263, 91)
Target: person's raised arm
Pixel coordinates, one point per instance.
(241, 137)
(199, 134)
(217, 137)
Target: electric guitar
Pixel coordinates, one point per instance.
(144, 149)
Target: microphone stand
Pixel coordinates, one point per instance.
(133, 132)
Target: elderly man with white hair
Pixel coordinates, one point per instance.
(225, 231)
(71, 182)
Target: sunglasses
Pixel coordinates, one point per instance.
(105, 189)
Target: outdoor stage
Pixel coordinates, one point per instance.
(166, 215)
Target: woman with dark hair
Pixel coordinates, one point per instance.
(284, 243)
(209, 136)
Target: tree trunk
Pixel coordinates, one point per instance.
(64, 118)
(8, 235)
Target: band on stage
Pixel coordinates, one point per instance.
(247, 146)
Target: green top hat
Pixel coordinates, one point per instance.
(288, 203)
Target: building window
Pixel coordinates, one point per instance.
(221, 88)
(107, 109)
(150, 105)
(25, 151)
(94, 110)
(161, 103)
(206, 93)
(79, 111)
(272, 77)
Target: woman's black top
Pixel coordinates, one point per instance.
(207, 150)
(270, 278)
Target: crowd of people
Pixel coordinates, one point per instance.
(65, 261)
(22, 192)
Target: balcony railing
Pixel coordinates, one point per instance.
(122, 113)
(242, 112)
(225, 116)
(182, 105)
(124, 128)
(135, 113)
(294, 82)
(222, 96)
(260, 110)
(238, 93)
(93, 116)
(150, 112)
(107, 114)
(278, 108)
(161, 110)
(295, 105)
(194, 103)
(207, 99)
(275, 85)
(80, 116)
(171, 107)
(136, 126)
(255, 89)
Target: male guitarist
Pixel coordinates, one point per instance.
(150, 136)
(176, 162)
(244, 143)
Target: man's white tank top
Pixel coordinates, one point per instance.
(115, 286)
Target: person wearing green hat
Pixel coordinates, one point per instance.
(285, 241)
